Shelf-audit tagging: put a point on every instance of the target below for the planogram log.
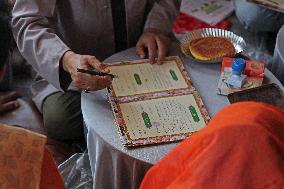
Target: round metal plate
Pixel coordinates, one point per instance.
(238, 42)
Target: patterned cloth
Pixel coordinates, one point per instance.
(24, 161)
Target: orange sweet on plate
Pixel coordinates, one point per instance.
(210, 48)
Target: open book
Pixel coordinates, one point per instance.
(155, 103)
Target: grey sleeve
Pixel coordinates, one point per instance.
(162, 15)
(33, 30)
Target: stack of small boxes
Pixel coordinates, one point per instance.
(245, 74)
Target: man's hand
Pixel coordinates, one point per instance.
(155, 42)
(72, 61)
(8, 101)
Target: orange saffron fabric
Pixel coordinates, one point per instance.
(242, 147)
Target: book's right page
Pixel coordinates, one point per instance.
(160, 117)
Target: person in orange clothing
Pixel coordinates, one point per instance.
(242, 147)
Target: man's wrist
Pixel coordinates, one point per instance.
(154, 31)
(64, 73)
(66, 59)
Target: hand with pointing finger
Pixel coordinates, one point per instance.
(155, 42)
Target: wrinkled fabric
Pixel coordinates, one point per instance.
(277, 65)
(242, 147)
(258, 18)
(111, 168)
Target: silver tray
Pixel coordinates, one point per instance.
(238, 42)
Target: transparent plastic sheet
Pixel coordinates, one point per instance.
(76, 172)
(258, 44)
(255, 54)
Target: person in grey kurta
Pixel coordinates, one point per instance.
(257, 18)
(58, 36)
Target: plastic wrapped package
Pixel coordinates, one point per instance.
(258, 55)
(76, 172)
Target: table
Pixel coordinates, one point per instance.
(114, 166)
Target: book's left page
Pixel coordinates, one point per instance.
(140, 77)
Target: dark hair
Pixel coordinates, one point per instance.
(5, 33)
(4, 7)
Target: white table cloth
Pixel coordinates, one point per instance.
(114, 166)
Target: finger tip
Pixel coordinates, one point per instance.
(16, 104)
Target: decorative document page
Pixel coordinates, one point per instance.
(155, 103)
(143, 77)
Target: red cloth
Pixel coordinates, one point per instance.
(50, 176)
(185, 23)
(242, 147)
